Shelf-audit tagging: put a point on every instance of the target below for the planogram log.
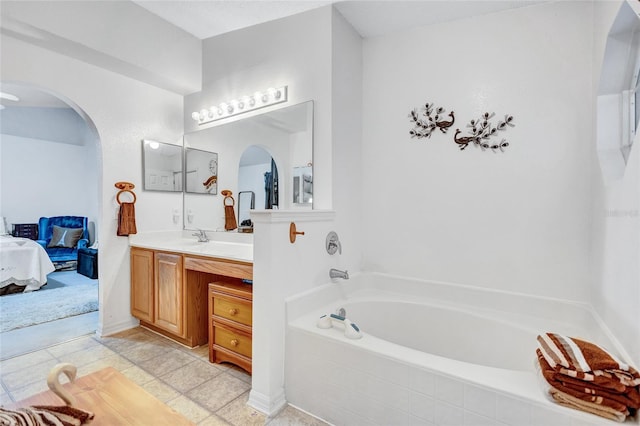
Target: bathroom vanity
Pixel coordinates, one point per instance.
(194, 293)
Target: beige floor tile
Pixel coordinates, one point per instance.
(30, 390)
(166, 362)
(24, 361)
(117, 362)
(161, 390)
(28, 375)
(213, 420)
(127, 339)
(191, 375)
(145, 351)
(218, 392)
(238, 413)
(189, 409)
(73, 346)
(201, 352)
(87, 356)
(291, 416)
(239, 373)
(5, 399)
(137, 375)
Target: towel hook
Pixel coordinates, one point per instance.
(293, 232)
(125, 187)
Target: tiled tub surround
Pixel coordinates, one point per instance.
(430, 354)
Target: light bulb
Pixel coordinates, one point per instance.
(252, 101)
(195, 116)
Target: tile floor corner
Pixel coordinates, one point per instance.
(204, 393)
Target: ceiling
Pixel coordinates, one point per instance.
(208, 18)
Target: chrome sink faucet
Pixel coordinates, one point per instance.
(336, 273)
(202, 236)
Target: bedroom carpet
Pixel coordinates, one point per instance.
(66, 294)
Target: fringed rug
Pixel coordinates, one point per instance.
(25, 309)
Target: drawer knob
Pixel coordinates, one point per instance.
(233, 311)
(234, 342)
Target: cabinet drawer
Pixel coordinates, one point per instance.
(232, 308)
(233, 340)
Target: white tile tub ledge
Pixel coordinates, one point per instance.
(431, 353)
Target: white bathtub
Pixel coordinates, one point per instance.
(430, 354)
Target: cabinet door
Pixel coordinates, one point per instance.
(142, 284)
(169, 294)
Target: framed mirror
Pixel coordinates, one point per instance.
(285, 134)
(161, 166)
(201, 171)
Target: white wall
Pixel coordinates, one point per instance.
(120, 36)
(314, 53)
(43, 178)
(518, 220)
(293, 52)
(124, 111)
(616, 205)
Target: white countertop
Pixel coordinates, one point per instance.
(222, 245)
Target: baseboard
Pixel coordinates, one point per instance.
(265, 404)
(117, 327)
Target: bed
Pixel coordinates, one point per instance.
(24, 265)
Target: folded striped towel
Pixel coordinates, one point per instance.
(588, 407)
(618, 402)
(45, 415)
(586, 361)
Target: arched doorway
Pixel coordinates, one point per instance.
(50, 167)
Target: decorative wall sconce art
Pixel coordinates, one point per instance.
(425, 125)
(481, 130)
(239, 106)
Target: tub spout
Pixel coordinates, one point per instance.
(336, 273)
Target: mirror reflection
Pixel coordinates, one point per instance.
(161, 166)
(258, 173)
(201, 171)
(269, 147)
(246, 203)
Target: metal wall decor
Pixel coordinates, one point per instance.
(481, 130)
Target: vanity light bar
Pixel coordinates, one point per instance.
(239, 106)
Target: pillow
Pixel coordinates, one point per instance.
(65, 237)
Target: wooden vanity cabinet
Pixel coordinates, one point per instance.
(231, 316)
(164, 301)
(170, 295)
(142, 285)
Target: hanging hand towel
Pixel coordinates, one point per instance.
(229, 213)
(127, 219)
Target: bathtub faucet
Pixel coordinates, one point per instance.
(336, 273)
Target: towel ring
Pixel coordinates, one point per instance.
(125, 190)
(227, 196)
(125, 187)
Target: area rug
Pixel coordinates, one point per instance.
(25, 309)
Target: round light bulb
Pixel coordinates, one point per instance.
(195, 116)
(252, 101)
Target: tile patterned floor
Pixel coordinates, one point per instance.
(207, 394)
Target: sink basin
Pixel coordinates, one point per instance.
(242, 251)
